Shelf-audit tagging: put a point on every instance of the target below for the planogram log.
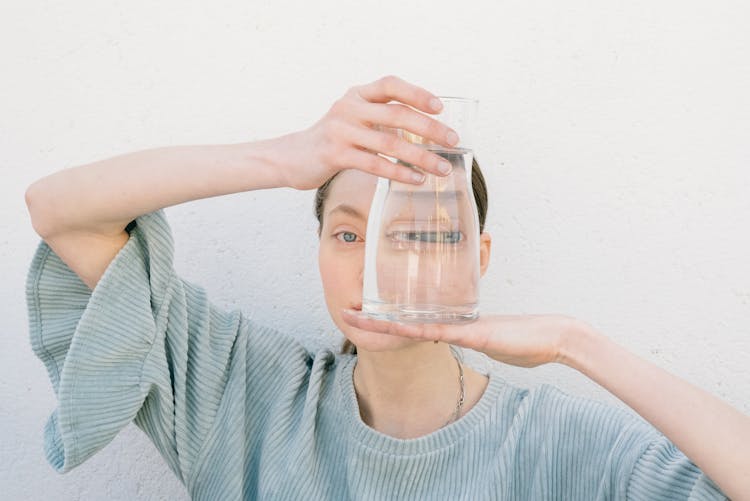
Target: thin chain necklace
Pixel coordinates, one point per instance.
(462, 394)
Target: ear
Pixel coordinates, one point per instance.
(485, 244)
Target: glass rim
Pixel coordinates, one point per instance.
(459, 99)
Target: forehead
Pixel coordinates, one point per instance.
(352, 187)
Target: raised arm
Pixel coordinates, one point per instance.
(82, 212)
(144, 344)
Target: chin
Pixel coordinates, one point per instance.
(368, 340)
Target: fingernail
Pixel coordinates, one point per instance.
(436, 104)
(452, 138)
(417, 177)
(444, 167)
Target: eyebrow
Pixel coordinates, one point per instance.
(347, 209)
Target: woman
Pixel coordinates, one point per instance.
(240, 410)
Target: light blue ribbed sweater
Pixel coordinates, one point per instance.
(242, 411)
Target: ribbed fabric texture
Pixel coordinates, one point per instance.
(243, 411)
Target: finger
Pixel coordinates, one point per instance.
(459, 335)
(393, 146)
(402, 117)
(365, 322)
(393, 88)
(370, 162)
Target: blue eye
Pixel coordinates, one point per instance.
(347, 236)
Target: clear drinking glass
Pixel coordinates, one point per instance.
(422, 241)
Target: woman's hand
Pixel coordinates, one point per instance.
(522, 340)
(345, 139)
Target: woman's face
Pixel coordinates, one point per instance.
(341, 256)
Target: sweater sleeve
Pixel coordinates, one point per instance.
(664, 472)
(594, 449)
(144, 345)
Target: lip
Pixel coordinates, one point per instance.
(357, 307)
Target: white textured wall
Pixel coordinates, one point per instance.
(614, 137)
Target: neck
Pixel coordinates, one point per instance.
(408, 392)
